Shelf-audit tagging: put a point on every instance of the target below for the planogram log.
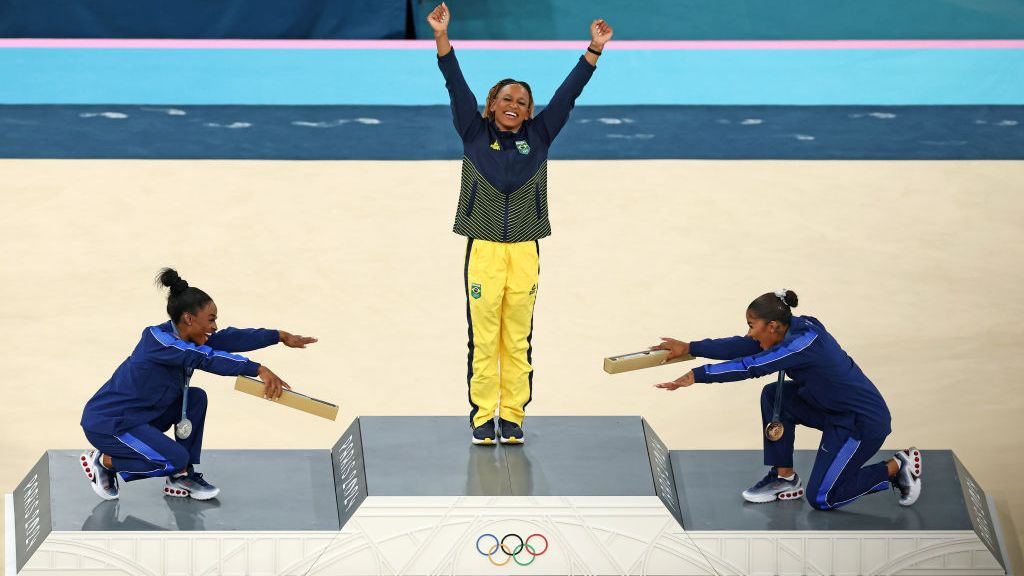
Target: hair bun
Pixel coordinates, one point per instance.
(169, 277)
(788, 297)
(791, 299)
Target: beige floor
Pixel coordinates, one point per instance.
(916, 267)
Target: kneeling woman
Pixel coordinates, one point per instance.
(827, 391)
(149, 393)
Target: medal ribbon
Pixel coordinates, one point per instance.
(184, 394)
(777, 409)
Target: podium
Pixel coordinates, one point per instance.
(411, 495)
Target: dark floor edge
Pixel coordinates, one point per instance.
(755, 132)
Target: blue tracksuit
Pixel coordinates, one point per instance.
(127, 417)
(827, 391)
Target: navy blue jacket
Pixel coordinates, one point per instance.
(152, 379)
(824, 374)
(503, 197)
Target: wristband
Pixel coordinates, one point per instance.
(594, 52)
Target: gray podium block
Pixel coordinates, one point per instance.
(261, 491)
(578, 456)
(709, 483)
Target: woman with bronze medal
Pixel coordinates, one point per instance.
(826, 390)
(149, 393)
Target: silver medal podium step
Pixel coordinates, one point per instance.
(411, 495)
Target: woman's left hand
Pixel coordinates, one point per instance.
(681, 382)
(600, 33)
(294, 340)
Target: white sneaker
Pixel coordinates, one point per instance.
(103, 481)
(190, 485)
(908, 479)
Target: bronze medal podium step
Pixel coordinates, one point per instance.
(412, 495)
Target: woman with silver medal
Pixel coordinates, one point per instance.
(149, 393)
(826, 390)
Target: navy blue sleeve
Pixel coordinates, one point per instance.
(556, 114)
(465, 115)
(243, 339)
(164, 348)
(786, 355)
(725, 348)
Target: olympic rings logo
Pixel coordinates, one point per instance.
(512, 550)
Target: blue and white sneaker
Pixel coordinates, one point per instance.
(104, 482)
(191, 485)
(511, 433)
(908, 479)
(484, 434)
(772, 488)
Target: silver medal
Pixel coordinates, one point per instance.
(183, 429)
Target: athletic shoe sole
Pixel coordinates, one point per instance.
(484, 442)
(87, 460)
(913, 456)
(183, 493)
(765, 498)
(512, 440)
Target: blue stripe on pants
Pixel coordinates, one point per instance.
(145, 451)
(837, 477)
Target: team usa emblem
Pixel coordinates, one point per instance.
(476, 291)
(523, 146)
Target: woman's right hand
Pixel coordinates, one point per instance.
(272, 385)
(439, 19)
(676, 348)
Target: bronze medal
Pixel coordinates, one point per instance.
(773, 431)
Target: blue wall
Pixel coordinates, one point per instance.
(411, 77)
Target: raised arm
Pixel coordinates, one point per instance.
(438, 20)
(555, 115)
(465, 113)
(600, 34)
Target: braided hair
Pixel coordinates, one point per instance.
(492, 95)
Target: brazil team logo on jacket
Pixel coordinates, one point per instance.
(523, 146)
(476, 291)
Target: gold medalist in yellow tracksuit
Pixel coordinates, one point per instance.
(503, 211)
(501, 289)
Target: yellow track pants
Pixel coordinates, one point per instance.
(501, 289)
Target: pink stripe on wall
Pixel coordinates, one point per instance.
(509, 44)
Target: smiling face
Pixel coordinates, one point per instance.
(512, 105)
(767, 334)
(198, 327)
